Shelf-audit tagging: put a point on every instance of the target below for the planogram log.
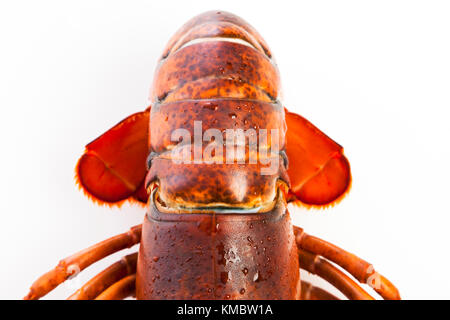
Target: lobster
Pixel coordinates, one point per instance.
(216, 229)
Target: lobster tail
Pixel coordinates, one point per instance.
(216, 72)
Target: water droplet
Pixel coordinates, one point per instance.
(233, 115)
(242, 291)
(211, 106)
(256, 277)
(155, 259)
(245, 271)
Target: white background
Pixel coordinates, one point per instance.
(375, 76)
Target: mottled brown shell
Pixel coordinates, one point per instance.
(226, 256)
(225, 85)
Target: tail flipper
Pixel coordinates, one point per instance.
(113, 166)
(318, 170)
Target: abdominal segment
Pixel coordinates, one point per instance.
(217, 130)
(217, 153)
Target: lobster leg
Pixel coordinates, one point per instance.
(81, 260)
(310, 292)
(318, 266)
(120, 290)
(117, 271)
(360, 269)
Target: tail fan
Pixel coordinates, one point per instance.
(113, 166)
